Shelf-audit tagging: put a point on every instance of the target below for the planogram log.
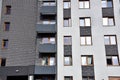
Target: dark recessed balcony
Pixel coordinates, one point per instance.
(46, 28)
(107, 12)
(47, 48)
(48, 10)
(45, 70)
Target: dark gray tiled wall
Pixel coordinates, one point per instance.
(22, 34)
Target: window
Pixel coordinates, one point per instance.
(110, 40)
(67, 40)
(67, 22)
(88, 78)
(2, 61)
(68, 78)
(6, 26)
(5, 43)
(107, 3)
(48, 22)
(68, 60)
(87, 60)
(49, 3)
(84, 4)
(85, 40)
(47, 40)
(8, 9)
(66, 5)
(114, 78)
(48, 60)
(85, 22)
(112, 60)
(108, 21)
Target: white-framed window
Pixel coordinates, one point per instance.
(87, 60)
(86, 40)
(108, 21)
(106, 3)
(110, 40)
(47, 40)
(48, 22)
(67, 60)
(67, 5)
(84, 4)
(67, 22)
(85, 22)
(47, 61)
(67, 40)
(49, 3)
(68, 78)
(112, 60)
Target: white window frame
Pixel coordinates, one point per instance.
(111, 40)
(84, 4)
(85, 22)
(85, 40)
(108, 21)
(66, 5)
(112, 59)
(67, 60)
(68, 22)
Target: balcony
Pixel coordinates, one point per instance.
(48, 10)
(107, 12)
(45, 70)
(111, 50)
(47, 48)
(87, 70)
(46, 28)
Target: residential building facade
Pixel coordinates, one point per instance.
(59, 40)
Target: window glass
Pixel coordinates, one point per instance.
(88, 40)
(66, 22)
(84, 61)
(82, 22)
(46, 22)
(106, 40)
(8, 9)
(7, 26)
(115, 60)
(109, 60)
(113, 41)
(67, 40)
(67, 60)
(104, 3)
(111, 22)
(105, 21)
(87, 21)
(86, 4)
(90, 61)
(52, 40)
(45, 40)
(81, 4)
(45, 3)
(66, 5)
(68, 78)
(52, 61)
(45, 61)
(109, 4)
(82, 40)
(52, 3)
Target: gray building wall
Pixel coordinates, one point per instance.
(22, 34)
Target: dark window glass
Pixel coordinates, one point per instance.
(8, 9)
(109, 61)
